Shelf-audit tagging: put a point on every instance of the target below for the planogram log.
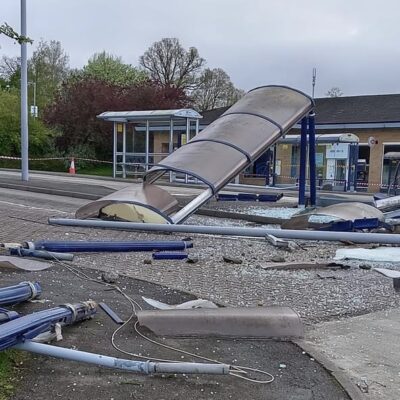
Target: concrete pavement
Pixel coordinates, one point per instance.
(366, 348)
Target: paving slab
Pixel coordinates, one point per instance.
(367, 348)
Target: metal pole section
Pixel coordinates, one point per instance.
(356, 155)
(303, 160)
(124, 150)
(143, 367)
(196, 133)
(311, 159)
(267, 167)
(187, 140)
(386, 238)
(115, 150)
(274, 166)
(191, 207)
(171, 136)
(147, 144)
(24, 99)
(187, 130)
(171, 142)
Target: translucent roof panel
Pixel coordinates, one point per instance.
(238, 137)
(126, 116)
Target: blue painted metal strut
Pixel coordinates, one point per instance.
(18, 293)
(29, 326)
(303, 160)
(108, 246)
(311, 159)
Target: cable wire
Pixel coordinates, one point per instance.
(235, 370)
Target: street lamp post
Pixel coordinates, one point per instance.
(24, 98)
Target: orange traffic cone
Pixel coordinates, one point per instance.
(72, 166)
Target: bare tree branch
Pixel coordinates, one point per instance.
(215, 90)
(169, 64)
(334, 92)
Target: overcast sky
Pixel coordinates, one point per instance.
(354, 44)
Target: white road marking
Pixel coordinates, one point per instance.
(32, 208)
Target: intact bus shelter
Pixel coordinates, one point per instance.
(142, 139)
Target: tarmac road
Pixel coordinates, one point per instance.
(302, 378)
(297, 376)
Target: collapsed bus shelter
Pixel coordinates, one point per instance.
(136, 133)
(215, 156)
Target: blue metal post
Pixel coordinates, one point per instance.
(267, 166)
(303, 160)
(311, 158)
(274, 166)
(353, 163)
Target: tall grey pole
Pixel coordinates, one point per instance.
(24, 98)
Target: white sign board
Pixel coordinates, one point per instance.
(338, 151)
(330, 168)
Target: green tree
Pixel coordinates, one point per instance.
(169, 64)
(215, 90)
(48, 67)
(111, 69)
(40, 137)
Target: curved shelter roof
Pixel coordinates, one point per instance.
(238, 137)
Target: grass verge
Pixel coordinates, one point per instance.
(11, 362)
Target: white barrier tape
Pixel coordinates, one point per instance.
(57, 158)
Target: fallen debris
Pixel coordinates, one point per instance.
(170, 255)
(23, 263)
(29, 326)
(46, 255)
(142, 367)
(111, 313)
(19, 293)
(192, 259)
(325, 216)
(232, 260)
(282, 243)
(388, 204)
(110, 276)
(299, 265)
(380, 254)
(79, 246)
(325, 275)
(245, 322)
(390, 273)
(278, 259)
(188, 305)
(355, 237)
